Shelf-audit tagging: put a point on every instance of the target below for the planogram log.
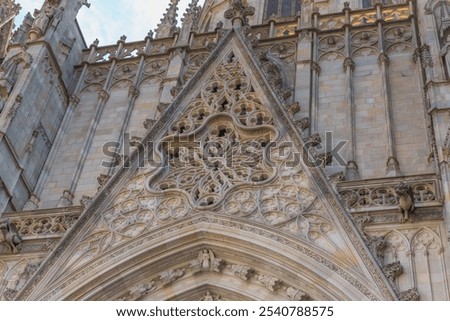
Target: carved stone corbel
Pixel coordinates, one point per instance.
(303, 124)
(410, 295)
(243, 272)
(393, 271)
(66, 200)
(269, 282)
(296, 295)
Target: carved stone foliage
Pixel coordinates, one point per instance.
(410, 295)
(269, 282)
(393, 270)
(296, 295)
(243, 272)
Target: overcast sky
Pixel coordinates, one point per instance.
(107, 20)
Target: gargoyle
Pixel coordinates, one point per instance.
(405, 200)
(11, 236)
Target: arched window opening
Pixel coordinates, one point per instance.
(282, 8)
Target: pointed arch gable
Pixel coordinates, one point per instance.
(363, 271)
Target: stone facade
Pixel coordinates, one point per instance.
(200, 163)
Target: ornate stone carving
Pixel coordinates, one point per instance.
(303, 124)
(43, 17)
(141, 290)
(336, 178)
(313, 140)
(296, 295)
(168, 24)
(293, 108)
(368, 195)
(170, 276)
(393, 270)
(9, 294)
(103, 180)
(269, 282)
(37, 225)
(325, 159)
(377, 245)
(163, 106)
(243, 272)
(405, 200)
(11, 236)
(206, 261)
(410, 295)
(85, 201)
(135, 141)
(148, 123)
(208, 296)
(383, 59)
(239, 10)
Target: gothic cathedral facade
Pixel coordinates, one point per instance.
(255, 150)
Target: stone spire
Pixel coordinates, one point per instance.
(8, 11)
(168, 23)
(192, 13)
(190, 21)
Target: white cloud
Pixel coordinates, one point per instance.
(107, 20)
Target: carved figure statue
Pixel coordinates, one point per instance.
(11, 236)
(206, 257)
(405, 200)
(44, 16)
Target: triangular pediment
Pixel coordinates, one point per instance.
(225, 174)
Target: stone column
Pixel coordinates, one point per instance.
(393, 167)
(349, 68)
(314, 107)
